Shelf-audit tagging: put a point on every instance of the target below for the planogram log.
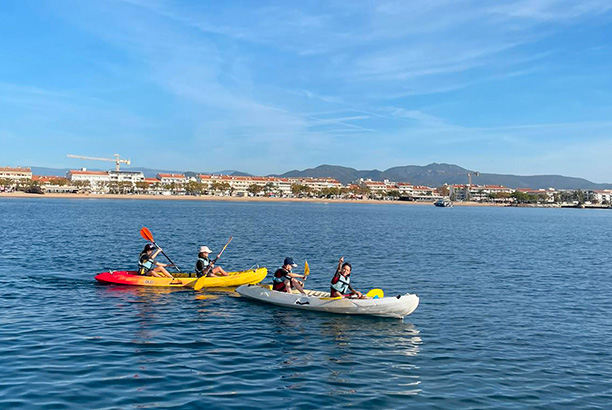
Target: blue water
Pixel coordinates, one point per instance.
(515, 308)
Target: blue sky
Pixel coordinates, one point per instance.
(521, 87)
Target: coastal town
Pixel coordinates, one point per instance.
(121, 182)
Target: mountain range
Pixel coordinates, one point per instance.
(433, 175)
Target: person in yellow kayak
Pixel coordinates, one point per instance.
(206, 267)
(341, 282)
(147, 265)
(284, 279)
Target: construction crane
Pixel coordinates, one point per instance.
(117, 160)
(475, 173)
(469, 174)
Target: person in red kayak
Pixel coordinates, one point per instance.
(284, 279)
(147, 265)
(341, 282)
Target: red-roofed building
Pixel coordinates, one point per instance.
(315, 184)
(16, 173)
(423, 192)
(405, 188)
(96, 179)
(49, 179)
(170, 178)
(377, 188)
(239, 185)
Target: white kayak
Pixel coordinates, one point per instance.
(394, 306)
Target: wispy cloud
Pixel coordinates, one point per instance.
(550, 10)
(260, 84)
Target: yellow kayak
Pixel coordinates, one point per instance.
(247, 277)
(251, 276)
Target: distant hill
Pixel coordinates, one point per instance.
(52, 172)
(433, 175)
(342, 174)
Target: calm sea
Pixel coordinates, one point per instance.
(516, 308)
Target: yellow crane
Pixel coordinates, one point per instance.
(118, 160)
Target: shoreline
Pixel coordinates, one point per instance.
(230, 198)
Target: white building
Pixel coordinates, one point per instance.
(315, 184)
(15, 174)
(98, 180)
(601, 196)
(483, 192)
(126, 176)
(405, 189)
(424, 193)
(170, 178)
(377, 188)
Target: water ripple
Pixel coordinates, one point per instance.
(514, 308)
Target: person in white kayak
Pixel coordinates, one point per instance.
(341, 282)
(284, 279)
(204, 266)
(147, 265)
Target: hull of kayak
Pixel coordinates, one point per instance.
(246, 277)
(394, 307)
(182, 279)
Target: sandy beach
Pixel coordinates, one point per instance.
(228, 198)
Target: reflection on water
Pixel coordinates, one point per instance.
(346, 352)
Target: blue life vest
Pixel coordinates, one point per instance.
(342, 283)
(145, 264)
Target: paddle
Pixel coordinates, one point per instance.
(147, 235)
(222, 250)
(199, 284)
(374, 294)
(306, 270)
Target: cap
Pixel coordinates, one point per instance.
(149, 247)
(289, 261)
(204, 249)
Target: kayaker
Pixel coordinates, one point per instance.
(341, 282)
(284, 280)
(147, 265)
(204, 266)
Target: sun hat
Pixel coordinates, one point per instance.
(204, 249)
(289, 261)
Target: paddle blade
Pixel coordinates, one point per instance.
(376, 294)
(145, 233)
(306, 268)
(199, 284)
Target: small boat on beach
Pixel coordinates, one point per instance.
(397, 307)
(444, 203)
(132, 278)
